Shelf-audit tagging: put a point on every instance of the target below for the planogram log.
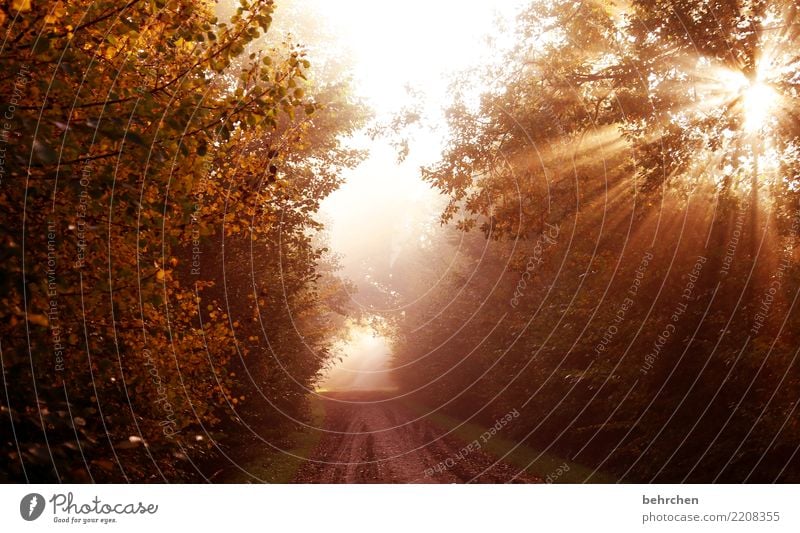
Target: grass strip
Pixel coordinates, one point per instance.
(281, 467)
(547, 466)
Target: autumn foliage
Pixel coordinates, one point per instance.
(628, 274)
(148, 146)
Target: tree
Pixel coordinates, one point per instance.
(139, 135)
(639, 130)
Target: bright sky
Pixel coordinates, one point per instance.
(394, 44)
(413, 41)
(383, 205)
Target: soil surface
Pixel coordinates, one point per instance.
(370, 440)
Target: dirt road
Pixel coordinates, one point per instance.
(372, 441)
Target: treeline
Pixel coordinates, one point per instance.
(162, 287)
(621, 266)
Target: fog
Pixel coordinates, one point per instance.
(364, 363)
(395, 59)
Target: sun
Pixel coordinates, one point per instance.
(757, 99)
(758, 103)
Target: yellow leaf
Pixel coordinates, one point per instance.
(57, 13)
(160, 275)
(21, 5)
(39, 320)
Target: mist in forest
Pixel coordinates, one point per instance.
(586, 213)
(384, 214)
(362, 363)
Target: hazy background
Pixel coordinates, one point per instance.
(398, 60)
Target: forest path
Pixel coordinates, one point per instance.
(371, 439)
